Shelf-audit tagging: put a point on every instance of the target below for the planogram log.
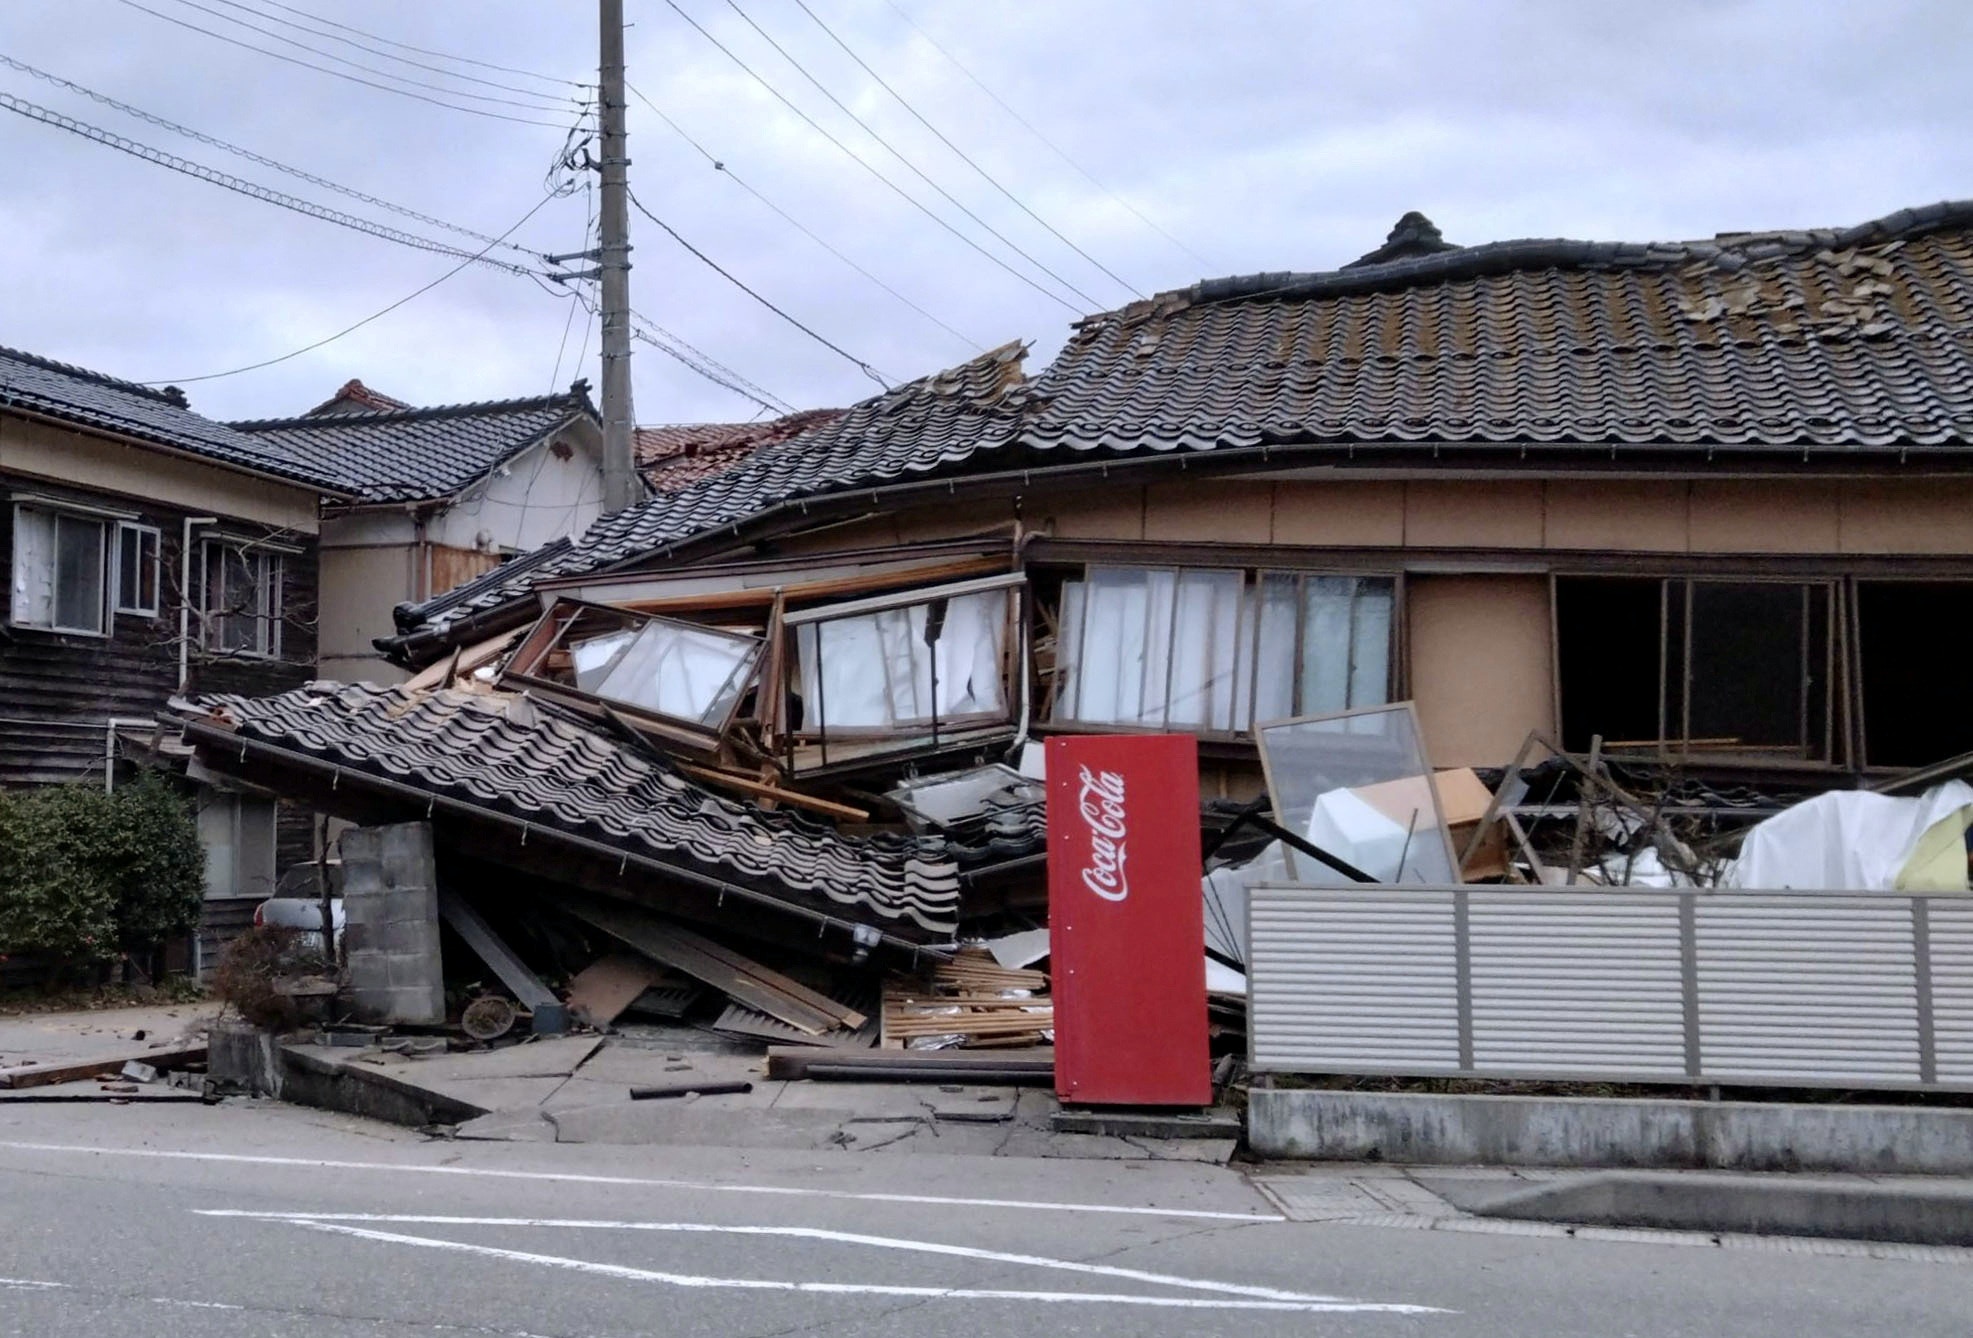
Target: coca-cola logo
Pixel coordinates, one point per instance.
(1101, 804)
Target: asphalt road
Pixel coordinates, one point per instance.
(256, 1219)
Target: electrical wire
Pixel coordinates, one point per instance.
(310, 348)
(378, 51)
(702, 362)
(1048, 143)
(249, 155)
(321, 69)
(241, 186)
(865, 163)
(423, 51)
(727, 275)
(536, 102)
(962, 155)
(910, 166)
(719, 165)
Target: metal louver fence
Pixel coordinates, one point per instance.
(1782, 988)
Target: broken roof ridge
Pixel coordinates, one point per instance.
(576, 396)
(1417, 267)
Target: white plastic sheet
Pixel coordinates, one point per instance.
(1847, 839)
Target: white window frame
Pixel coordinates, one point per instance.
(270, 584)
(56, 514)
(125, 531)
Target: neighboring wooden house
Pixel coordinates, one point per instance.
(1710, 501)
(148, 552)
(441, 495)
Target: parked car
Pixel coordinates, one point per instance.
(297, 904)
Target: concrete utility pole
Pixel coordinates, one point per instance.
(619, 470)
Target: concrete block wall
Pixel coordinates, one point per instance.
(390, 936)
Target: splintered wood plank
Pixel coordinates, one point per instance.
(601, 991)
(682, 951)
(46, 1075)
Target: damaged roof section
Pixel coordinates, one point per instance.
(1850, 338)
(674, 457)
(416, 455)
(915, 429)
(506, 759)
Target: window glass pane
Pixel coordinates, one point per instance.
(1357, 786)
(78, 573)
(675, 669)
(594, 656)
(1205, 621)
(34, 568)
(876, 671)
(1110, 674)
(1274, 677)
(137, 569)
(240, 600)
(1370, 644)
(1327, 625)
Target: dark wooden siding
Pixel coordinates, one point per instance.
(58, 692)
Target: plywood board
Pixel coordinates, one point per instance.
(601, 991)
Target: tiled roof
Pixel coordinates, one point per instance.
(91, 400)
(507, 755)
(1852, 339)
(674, 457)
(415, 455)
(912, 429)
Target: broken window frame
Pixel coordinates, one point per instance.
(1243, 692)
(523, 669)
(929, 732)
(1835, 669)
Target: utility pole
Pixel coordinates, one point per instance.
(619, 475)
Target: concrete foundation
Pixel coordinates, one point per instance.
(1420, 1129)
(390, 901)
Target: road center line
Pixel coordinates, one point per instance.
(567, 1177)
(628, 1273)
(805, 1233)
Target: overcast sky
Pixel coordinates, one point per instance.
(1261, 135)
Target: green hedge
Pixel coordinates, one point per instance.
(87, 876)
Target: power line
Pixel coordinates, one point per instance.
(912, 167)
(536, 102)
(1050, 144)
(252, 190)
(423, 51)
(963, 156)
(321, 69)
(723, 273)
(379, 51)
(864, 163)
(248, 154)
(720, 166)
(375, 315)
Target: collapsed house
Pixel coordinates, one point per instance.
(1689, 511)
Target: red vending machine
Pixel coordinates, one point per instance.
(1126, 922)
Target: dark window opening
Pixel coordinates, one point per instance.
(1610, 658)
(1913, 713)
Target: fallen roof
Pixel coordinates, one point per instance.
(417, 455)
(1845, 341)
(675, 456)
(87, 399)
(911, 429)
(505, 758)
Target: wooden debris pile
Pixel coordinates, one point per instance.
(970, 1001)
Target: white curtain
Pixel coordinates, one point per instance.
(689, 673)
(1153, 647)
(875, 671)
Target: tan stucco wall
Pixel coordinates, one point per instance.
(100, 464)
(1480, 664)
(1914, 516)
(360, 586)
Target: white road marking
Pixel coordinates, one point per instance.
(805, 1233)
(28, 1284)
(865, 1288)
(196, 1305)
(398, 1168)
